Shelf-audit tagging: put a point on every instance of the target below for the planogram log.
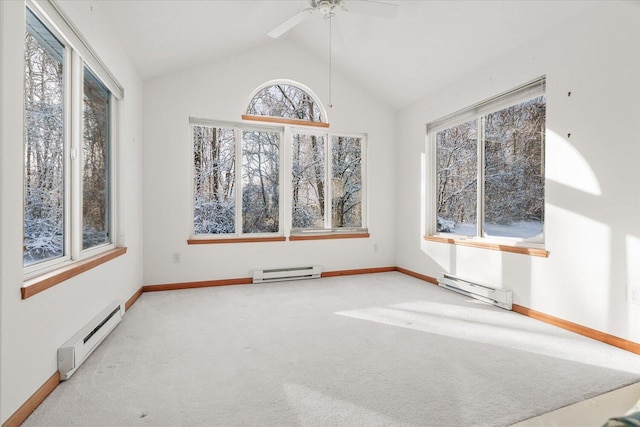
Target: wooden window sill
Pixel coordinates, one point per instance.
(493, 246)
(284, 121)
(45, 281)
(328, 236)
(236, 240)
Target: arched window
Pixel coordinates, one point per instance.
(285, 102)
(239, 187)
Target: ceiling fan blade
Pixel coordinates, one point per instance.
(290, 23)
(372, 8)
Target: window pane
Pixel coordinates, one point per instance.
(514, 170)
(214, 180)
(285, 101)
(260, 182)
(44, 173)
(346, 182)
(95, 163)
(457, 163)
(308, 158)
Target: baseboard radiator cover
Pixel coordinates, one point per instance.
(289, 273)
(82, 344)
(499, 297)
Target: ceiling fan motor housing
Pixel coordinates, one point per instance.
(328, 10)
(325, 6)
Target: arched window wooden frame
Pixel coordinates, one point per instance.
(276, 88)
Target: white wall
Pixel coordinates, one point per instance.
(2, 114)
(221, 91)
(592, 198)
(31, 330)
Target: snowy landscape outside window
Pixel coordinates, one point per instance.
(285, 101)
(45, 172)
(260, 181)
(95, 162)
(238, 184)
(223, 156)
(68, 179)
(346, 171)
(308, 173)
(214, 180)
(490, 169)
(319, 203)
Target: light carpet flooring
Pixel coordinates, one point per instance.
(367, 350)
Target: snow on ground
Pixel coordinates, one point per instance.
(520, 229)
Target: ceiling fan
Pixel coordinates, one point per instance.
(328, 9)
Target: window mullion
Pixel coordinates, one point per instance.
(480, 183)
(76, 155)
(239, 183)
(192, 199)
(364, 179)
(68, 158)
(431, 184)
(328, 171)
(285, 179)
(112, 153)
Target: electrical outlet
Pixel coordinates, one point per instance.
(633, 294)
(176, 257)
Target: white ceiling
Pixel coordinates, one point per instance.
(429, 44)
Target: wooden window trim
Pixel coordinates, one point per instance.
(43, 282)
(284, 121)
(236, 240)
(327, 236)
(539, 252)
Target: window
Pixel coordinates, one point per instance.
(346, 182)
(95, 163)
(223, 156)
(286, 101)
(68, 154)
(308, 172)
(327, 184)
(45, 214)
(214, 180)
(489, 168)
(321, 185)
(260, 181)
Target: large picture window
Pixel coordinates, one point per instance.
(68, 153)
(243, 190)
(489, 168)
(225, 156)
(327, 182)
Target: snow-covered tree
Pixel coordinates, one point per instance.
(346, 206)
(44, 168)
(308, 170)
(513, 171)
(260, 182)
(214, 180)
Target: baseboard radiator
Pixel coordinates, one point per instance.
(81, 345)
(498, 297)
(282, 274)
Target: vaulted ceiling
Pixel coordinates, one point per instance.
(427, 45)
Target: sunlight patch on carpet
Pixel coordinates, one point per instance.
(502, 328)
